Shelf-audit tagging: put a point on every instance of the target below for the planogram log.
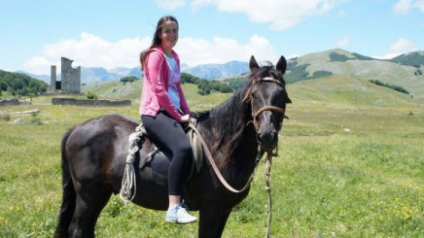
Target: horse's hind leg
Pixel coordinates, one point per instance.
(90, 202)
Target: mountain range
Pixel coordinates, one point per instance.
(99, 74)
(405, 70)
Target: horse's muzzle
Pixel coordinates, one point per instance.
(267, 141)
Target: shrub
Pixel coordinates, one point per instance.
(91, 95)
(5, 117)
(321, 73)
(34, 119)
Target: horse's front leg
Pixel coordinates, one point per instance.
(212, 221)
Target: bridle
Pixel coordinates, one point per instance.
(255, 115)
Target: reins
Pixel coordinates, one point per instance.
(215, 167)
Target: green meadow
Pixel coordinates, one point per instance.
(350, 164)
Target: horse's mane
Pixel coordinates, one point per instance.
(230, 118)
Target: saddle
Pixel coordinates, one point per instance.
(159, 161)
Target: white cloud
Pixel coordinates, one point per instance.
(39, 65)
(280, 14)
(420, 5)
(342, 42)
(170, 4)
(92, 51)
(88, 51)
(220, 50)
(401, 46)
(404, 6)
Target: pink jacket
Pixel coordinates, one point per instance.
(155, 87)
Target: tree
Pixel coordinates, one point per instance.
(3, 85)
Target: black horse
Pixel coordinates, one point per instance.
(94, 157)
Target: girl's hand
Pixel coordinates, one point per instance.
(185, 118)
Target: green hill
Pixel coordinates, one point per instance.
(415, 59)
(115, 89)
(344, 64)
(348, 90)
(16, 84)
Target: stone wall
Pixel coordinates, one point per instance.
(13, 102)
(89, 102)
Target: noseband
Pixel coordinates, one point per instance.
(256, 114)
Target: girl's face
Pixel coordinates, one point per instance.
(169, 35)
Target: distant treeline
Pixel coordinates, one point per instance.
(414, 59)
(394, 87)
(205, 87)
(128, 79)
(17, 84)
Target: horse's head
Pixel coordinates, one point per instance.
(268, 97)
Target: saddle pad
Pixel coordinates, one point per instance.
(159, 162)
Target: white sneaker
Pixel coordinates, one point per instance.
(179, 214)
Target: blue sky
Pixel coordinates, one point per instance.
(35, 34)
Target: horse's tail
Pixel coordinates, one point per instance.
(69, 196)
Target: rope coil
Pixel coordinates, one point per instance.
(128, 186)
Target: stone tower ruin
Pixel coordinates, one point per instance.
(70, 78)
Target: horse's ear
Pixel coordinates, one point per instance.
(282, 65)
(253, 64)
(288, 100)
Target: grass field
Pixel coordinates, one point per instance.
(344, 170)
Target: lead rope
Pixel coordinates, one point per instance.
(268, 189)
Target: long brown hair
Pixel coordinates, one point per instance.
(156, 40)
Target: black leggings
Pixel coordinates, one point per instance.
(168, 135)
